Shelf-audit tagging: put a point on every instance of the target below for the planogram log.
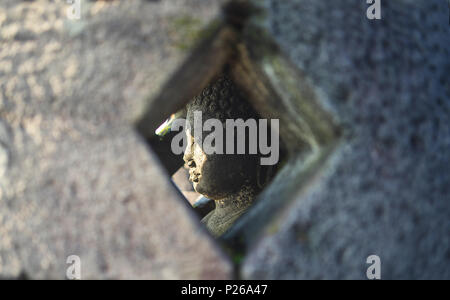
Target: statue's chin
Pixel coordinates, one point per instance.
(197, 188)
(200, 189)
(210, 191)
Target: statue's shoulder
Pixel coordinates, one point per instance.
(203, 206)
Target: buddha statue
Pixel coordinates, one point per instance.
(231, 180)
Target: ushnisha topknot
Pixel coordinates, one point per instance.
(222, 100)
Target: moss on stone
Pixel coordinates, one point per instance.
(187, 31)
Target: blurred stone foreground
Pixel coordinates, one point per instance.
(75, 178)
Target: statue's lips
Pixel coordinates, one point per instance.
(194, 176)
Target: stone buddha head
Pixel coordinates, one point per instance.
(231, 180)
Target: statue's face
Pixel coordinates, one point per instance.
(217, 176)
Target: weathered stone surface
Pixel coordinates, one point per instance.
(75, 178)
(386, 190)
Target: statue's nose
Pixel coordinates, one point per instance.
(188, 153)
(188, 158)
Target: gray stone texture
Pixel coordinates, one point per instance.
(386, 189)
(75, 178)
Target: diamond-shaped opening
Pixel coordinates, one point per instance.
(246, 54)
(222, 91)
